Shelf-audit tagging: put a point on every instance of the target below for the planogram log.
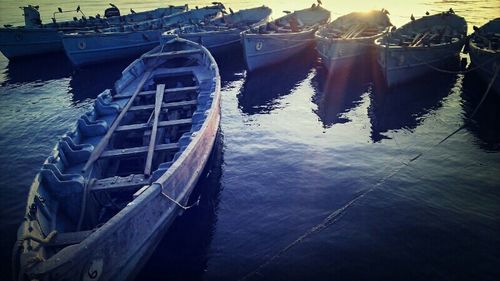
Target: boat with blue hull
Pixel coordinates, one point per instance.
(350, 37)
(111, 187)
(484, 52)
(421, 46)
(276, 41)
(35, 38)
(223, 34)
(91, 47)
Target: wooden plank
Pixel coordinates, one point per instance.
(105, 140)
(167, 91)
(135, 151)
(160, 90)
(168, 105)
(69, 238)
(115, 183)
(144, 126)
(173, 54)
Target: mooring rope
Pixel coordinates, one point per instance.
(177, 202)
(336, 214)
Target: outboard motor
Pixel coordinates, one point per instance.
(32, 16)
(112, 11)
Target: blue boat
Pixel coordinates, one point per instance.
(276, 41)
(484, 52)
(126, 41)
(112, 187)
(35, 38)
(223, 34)
(350, 37)
(421, 46)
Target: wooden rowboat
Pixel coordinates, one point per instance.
(350, 37)
(275, 42)
(36, 38)
(109, 191)
(484, 52)
(223, 34)
(421, 46)
(126, 41)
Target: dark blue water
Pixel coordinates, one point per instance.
(312, 178)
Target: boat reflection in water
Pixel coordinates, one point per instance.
(403, 106)
(37, 69)
(263, 87)
(336, 93)
(484, 123)
(183, 252)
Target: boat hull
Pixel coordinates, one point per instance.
(84, 49)
(403, 64)
(21, 42)
(216, 42)
(262, 50)
(340, 54)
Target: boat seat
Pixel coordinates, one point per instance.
(106, 109)
(91, 130)
(75, 154)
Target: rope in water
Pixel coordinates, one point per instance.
(336, 214)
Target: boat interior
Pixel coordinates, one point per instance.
(130, 138)
(357, 25)
(295, 22)
(487, 37)
(440, 29)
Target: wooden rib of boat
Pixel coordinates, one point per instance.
(91, 47)
(420, 46)
(110, 189)
(350, 36)
(36, 38)
(276, 41)
(484, 52)
(223, 34)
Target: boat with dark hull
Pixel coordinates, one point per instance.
(420, 46)
(223, 34)
(484, 52)
(350, 37)
(35, 38)
(111, 187)
(285, 37)
(127, 41)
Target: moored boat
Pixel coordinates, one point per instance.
(484, 52)
(351, 36)
(223, 33)
(35, 37)
(110, 189)
(420, 46)
(276, 41)
(90, 47)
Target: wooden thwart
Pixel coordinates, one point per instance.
(160, 90)
(136, 151)
(167, 91)
(173, 54)
(144, 126)
(119, 183)
(169, 105)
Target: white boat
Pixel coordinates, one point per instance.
(35, 38)
(421, 46)
(90, 47)
(223, 34)
(276, 41)
(484, 52)
(112, 187)
(350, 37)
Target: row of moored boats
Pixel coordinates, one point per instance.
(112, 186)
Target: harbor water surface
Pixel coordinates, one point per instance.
(316, 176)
